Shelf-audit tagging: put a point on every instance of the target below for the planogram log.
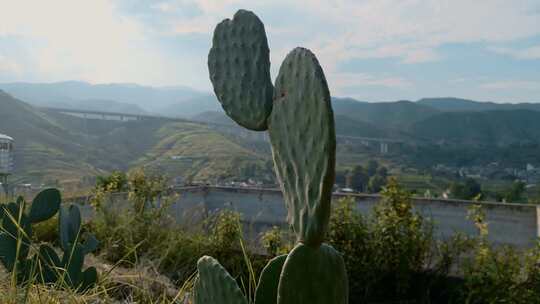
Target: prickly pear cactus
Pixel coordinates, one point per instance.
(300, 122)
(313, 275)
(214, 285)
(16, 233)
(303, 140)
(45, 266)
(239, 65)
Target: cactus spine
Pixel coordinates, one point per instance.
(300, 121)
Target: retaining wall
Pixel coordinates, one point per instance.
(513, 224)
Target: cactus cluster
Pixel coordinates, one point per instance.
(45, 265)
(299, 118)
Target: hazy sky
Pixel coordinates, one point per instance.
(370, 49)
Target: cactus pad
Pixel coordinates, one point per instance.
(269, 281)
(70, 225)
(214, 285)
(239, 65)
(303, 138)
(73, 261)
(315, 276)
(45, 205)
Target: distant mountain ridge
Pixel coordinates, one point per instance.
(54, 145)
(72, 94)
(396, 119)
(450, 104)
(344, 125)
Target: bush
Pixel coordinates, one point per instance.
(499, 274)
(277, 242)
(386, 251)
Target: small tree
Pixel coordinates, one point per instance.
(383, 172)
(376, 183)
(515, 193)
(467, 190)
(144, 189)
(372, 167)
(357, 179)
(115, 182)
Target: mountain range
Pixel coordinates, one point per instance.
(53, 144)
(117, 97)
(445, 119)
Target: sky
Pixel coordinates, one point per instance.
(372, 50)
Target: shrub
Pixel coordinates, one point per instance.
(115, 182)
(499, 274)
(385, 251)
(145, 189)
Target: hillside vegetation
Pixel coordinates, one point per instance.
(497, 128)
(383, 114)
(52, 146)
(457, 104)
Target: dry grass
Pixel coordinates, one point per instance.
(140, 284)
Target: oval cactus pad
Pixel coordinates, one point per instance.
(215, 285)
(303, 138)
(239, 65)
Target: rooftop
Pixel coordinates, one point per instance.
(2, 136)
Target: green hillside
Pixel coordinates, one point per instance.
(457, 104)
(345, 125)
(350, 127)
(383, 114)
(51, 146)
(45, 149)
(495, 128)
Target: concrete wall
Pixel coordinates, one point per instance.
(512, 224)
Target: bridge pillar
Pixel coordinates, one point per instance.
(384, 147)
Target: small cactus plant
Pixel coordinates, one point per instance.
(45, 265)
(299, 118)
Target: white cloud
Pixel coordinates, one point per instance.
(84, 40)
(100, 41)
(512, 85)
(409, 30)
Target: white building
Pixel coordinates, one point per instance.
(6, 155)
